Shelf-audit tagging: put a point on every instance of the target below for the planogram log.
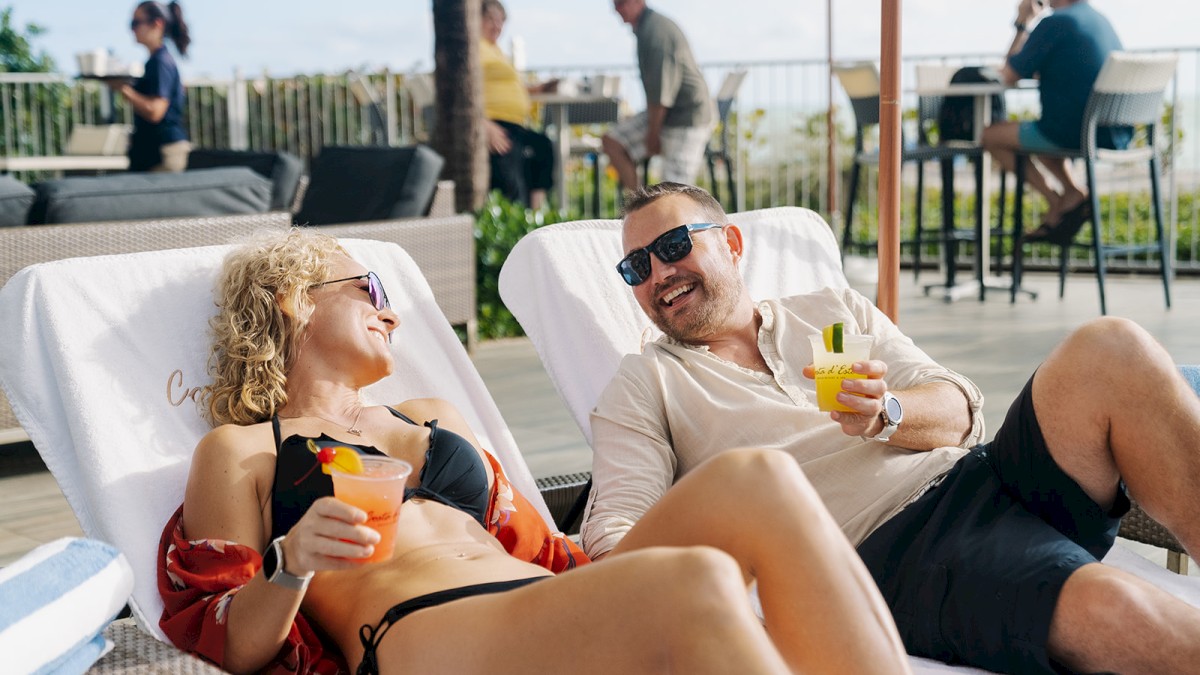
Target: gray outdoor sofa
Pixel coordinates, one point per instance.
(441, 243)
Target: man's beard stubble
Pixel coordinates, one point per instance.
(702, 320)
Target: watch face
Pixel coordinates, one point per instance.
(892, 408)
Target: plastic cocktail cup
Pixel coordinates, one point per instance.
(378, 490)
(831, 368)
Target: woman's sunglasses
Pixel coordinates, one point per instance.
(671, 246)
(379, 298)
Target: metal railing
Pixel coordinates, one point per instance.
(296, 114)
(778, 129)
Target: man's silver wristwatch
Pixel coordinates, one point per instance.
(891, 415)
(274, 572)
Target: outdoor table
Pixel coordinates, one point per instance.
(981, 94)
(563, 110)
(65, 163)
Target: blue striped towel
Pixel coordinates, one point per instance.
(56, 600)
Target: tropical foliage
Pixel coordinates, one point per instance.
(499, 226)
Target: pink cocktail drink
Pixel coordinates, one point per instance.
(378, 490)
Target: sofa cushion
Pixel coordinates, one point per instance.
(138, 196)
(283, 169)
(15, 200)
(354, 184)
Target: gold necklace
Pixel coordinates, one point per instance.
(352, 429)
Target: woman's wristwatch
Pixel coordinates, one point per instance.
(274, 572)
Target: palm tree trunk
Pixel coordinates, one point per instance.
(458, 130)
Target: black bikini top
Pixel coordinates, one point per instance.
(453, 474)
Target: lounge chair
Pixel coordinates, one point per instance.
(560, 284)
(103, 357)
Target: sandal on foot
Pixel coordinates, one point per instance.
(1043, 233)
(1072, 221)
(1063, 232)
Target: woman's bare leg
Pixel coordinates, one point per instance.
(821, 606)
(677, 610)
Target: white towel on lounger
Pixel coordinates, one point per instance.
(103, 357)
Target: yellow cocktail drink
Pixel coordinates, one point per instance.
(831, 368)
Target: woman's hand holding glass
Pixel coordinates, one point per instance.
(332, 535)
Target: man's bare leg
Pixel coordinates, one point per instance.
(537, 199)
(1108, 620)
(1112, 406)
(1001, 140)
(1073, 194)
(619, 159)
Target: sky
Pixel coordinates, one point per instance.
(302, 36)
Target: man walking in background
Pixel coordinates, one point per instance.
(678, 119)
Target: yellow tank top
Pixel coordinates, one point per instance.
(504, 95)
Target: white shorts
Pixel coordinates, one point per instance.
(682, 147)
(174, 157)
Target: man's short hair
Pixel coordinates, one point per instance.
(493, 4)
(641, 197)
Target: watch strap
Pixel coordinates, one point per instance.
(889, 425)
(273, 568)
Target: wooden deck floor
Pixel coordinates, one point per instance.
(997, 344)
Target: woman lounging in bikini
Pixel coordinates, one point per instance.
(259, 566)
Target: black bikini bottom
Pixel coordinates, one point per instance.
(372, 636)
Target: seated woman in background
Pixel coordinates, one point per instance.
(260, 568)
(522, 159)
(159, 141)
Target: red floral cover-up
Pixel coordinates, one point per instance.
(198, 579)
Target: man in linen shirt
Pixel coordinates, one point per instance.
(987, 554)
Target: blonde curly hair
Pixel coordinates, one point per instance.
(263, 308)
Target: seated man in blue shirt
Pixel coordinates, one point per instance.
(1065, 51)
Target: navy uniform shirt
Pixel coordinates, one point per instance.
(160, 80)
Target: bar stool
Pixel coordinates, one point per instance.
(1128, 92)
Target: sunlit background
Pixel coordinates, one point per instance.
(289, 37)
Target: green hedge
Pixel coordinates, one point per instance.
(499, 225)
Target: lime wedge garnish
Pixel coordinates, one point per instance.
(833, 337)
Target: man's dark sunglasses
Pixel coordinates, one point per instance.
(379, 298)
(670, 246)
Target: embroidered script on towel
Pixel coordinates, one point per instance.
(176, 392)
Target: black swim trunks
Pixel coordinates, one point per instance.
(973, 569)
